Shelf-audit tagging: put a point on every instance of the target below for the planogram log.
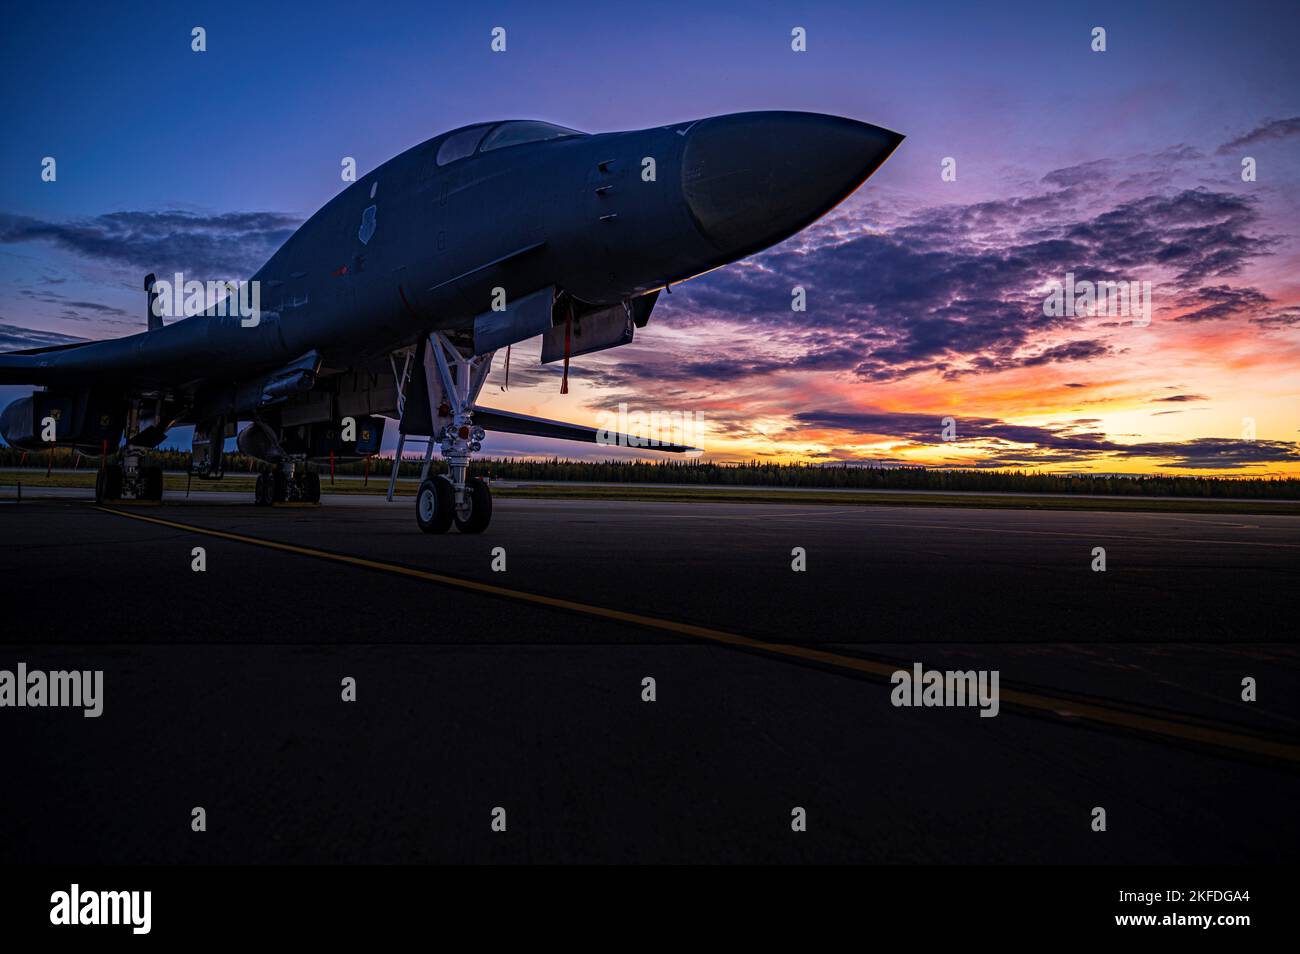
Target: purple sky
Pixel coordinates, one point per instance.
(1124, 163)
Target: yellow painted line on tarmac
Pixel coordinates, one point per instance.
(1229, 739)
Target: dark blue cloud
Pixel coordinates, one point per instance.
(1058, 444)
(230, 245)
(1219, 302)
(1269, 131)
(16, 338)
(951, 288)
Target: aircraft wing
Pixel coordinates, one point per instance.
(34, 366)
(46, 349)
(508, 422)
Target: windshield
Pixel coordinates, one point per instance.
(525, 130)
(460, 144)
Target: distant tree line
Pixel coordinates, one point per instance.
(755, 474)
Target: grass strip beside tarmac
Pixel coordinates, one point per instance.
(175, 484)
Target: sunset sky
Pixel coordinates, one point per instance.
(924, 296)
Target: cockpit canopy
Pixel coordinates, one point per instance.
(465, 142)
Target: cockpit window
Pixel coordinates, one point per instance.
(525, 130)
(461, 144)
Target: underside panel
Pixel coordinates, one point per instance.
(589, 333)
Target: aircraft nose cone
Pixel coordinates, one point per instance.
(752, 179)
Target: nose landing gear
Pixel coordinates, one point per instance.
(455, 497)
(435, 504)
(474, 512)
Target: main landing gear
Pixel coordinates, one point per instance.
(285, 483)
(128, 479)
(454, 497)
(123, 474)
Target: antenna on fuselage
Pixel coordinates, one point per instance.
(153, 322)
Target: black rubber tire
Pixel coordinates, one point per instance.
(435, 505)
(279, 486)
(311, 487)
(479, 499)
(152, 482)
(262, 490)
(100, 480)
(113, 482)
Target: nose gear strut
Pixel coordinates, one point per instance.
(454, 382)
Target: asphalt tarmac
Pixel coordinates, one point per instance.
(522, 689)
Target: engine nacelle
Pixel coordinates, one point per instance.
(258, 441)
(315, 441)
(325, 439)
(79, 418)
